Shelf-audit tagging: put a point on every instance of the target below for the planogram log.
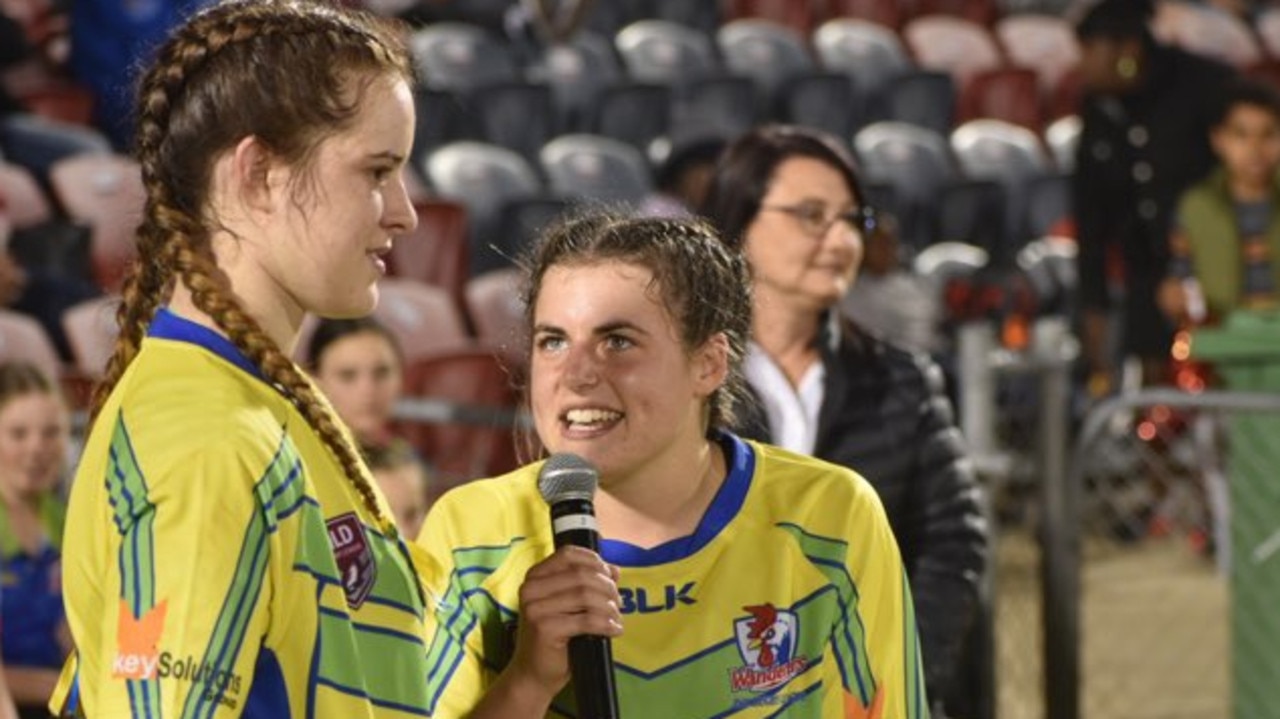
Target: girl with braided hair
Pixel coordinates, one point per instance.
(226, 551)
(751, 581)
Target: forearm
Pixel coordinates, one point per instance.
(511, 696)
(30, 685)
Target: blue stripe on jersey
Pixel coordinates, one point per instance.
(268, 697)
(840, 572)
(371, 629)
(135, 520)
(355, 692)
(313, 674)
(168, 326)
(724, 507)
(230, 628)
(796, 698)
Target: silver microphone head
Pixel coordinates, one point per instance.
(567, 476)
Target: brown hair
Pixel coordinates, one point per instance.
(284, 72)
(704, 285)
(19, 378)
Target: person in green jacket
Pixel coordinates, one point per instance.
(1226, 235)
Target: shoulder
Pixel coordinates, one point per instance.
(487, 510)
(799, 484)
(892, 365)
(178, 408)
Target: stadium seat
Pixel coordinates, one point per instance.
(596, 169)
(478, 437)
(916, 163)
(484, 178)
(1267, 24)
(519, 116)
(105, 192)
(1044, 43)
(926, 98)
(460, 57)
(701, 16)
(870, 54)
(1207, 31)
(1061, 137)
(578, 72)
(424, 318)
(635, 113)
(953, 45)
(1011, 94)
(522, 221)
(765, 51)
(497, 312)
(24, 202)
(23, 339)
(666, 53)
(825, 101)
(1001, 152)
(437, 252)
(91, 331)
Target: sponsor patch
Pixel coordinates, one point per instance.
(138, 642)
(354, 556)
(767, 640)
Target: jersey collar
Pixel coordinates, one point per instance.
(741, 461)
(168, 326)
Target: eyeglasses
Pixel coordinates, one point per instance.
(814, 221)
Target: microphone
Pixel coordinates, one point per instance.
(568, 484)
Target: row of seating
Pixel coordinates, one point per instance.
(657, 78)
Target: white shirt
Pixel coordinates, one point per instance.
(792, 412)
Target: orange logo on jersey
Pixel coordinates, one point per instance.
(137, 642)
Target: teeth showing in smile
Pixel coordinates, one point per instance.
(591, 416)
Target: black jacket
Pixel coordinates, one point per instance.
(1135, 157)
(885, 415)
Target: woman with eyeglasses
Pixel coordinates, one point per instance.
(790, 199)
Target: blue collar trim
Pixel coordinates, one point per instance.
(724, 507)
(168, 326)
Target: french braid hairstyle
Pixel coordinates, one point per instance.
(704, 286)
(291, 73)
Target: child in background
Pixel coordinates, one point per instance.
(404, 481)
(34, 429)
(1227, 228)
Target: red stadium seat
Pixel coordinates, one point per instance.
(105, 192)
(437, 251)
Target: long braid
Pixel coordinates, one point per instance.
(212, 297)
(173, 241)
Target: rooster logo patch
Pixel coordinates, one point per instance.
(767, 640)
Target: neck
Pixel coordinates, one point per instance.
(786, 333)
(276, 321)
(1249, 191)
(16, 500)
(664, 502)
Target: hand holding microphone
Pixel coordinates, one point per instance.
(568, 483)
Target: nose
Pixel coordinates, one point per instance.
(399, 216)
(581, 368)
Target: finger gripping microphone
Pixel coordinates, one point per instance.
(568, 484)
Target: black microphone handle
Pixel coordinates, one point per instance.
(590, 656)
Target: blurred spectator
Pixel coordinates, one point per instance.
(34, 428)
(359, 367)
(42, 293)
(25, 139)
(790, 199)
(887, 298)
(404, 481)
(683, 177)
(1225, 245)
(109, 41)
(7, 709)
(1145, 120)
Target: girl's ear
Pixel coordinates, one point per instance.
(711, 364)
(252, 175)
